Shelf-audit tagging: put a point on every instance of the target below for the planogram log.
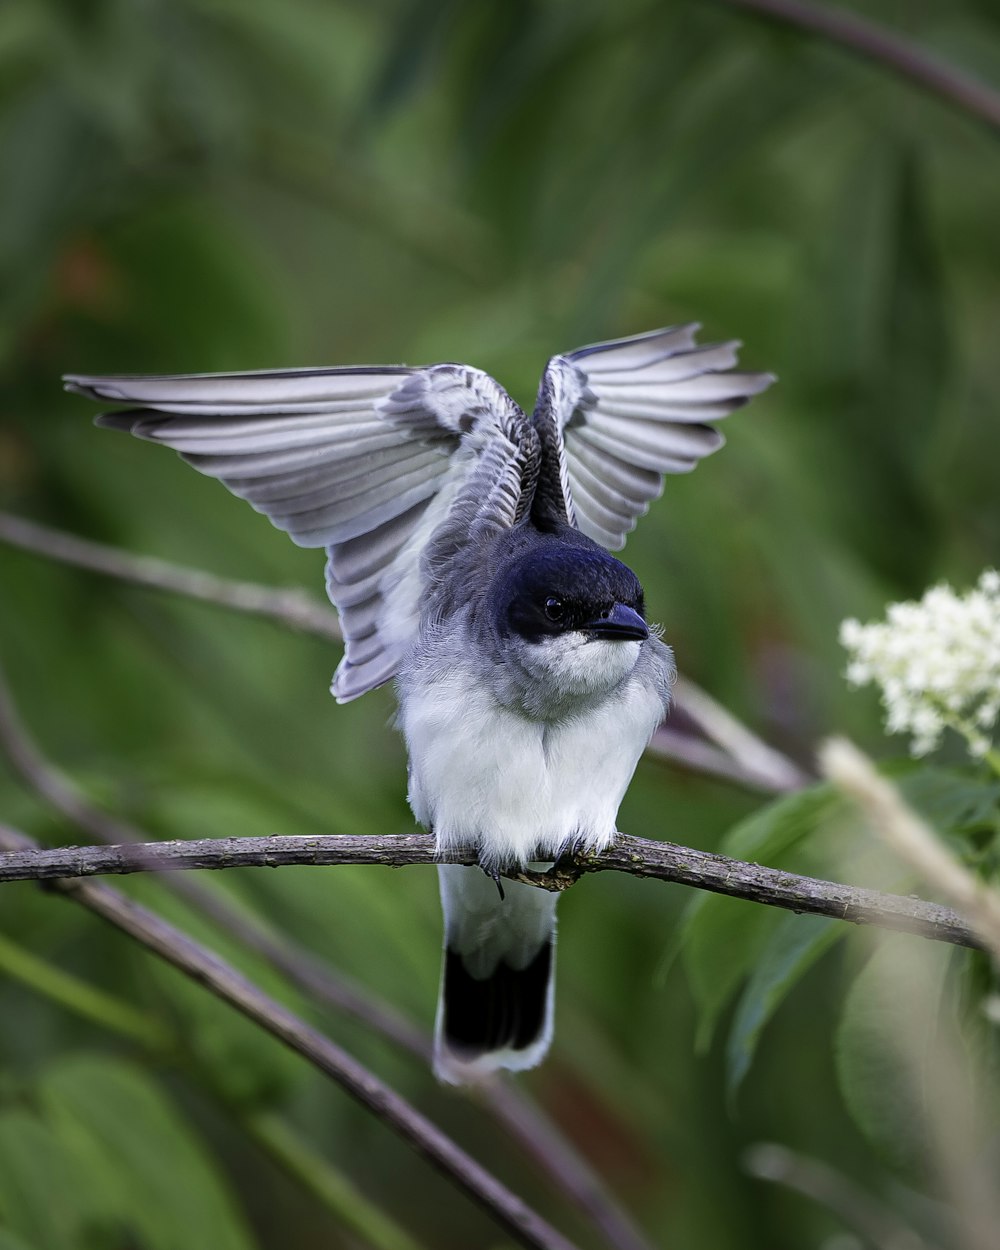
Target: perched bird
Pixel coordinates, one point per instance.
(467, 555)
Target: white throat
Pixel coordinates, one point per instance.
(576, 663)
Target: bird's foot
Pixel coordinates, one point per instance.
(568, 868)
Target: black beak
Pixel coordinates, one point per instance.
(621, 622)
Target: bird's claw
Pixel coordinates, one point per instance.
(494, 876)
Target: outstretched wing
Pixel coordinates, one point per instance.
(615, 417)
(377, 465)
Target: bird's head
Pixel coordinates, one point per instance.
(572, 613)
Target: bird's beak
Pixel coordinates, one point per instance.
(622, 623)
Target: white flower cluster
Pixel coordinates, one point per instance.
(937, 663)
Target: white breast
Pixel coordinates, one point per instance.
(522, 788)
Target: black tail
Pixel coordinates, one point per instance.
(495, 1008)
(506, 1011)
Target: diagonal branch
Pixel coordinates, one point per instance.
(739, 755)
(529, 1126)
(219, 978)
(639, 857)
(878, 43)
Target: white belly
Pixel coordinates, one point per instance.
(522, 789)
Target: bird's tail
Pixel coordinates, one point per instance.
(496, 1000)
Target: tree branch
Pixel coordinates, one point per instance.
(903, 56)
(289, 607)
(742, 755)
(744, 759)
(639, 857)
(206, 968)
(526, 1123)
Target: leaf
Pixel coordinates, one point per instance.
(40, 1197)
(140, 1158)
(951, 799)
(791, 949)
(722, 937)
(893, 1070)
(779, 826)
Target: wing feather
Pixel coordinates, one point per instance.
(382, 467)
(614, 418)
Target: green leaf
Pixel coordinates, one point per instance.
(721, 937)
(40, 1196)
(894, 1073)
(779, 826)
(140, 1158)
(792, 947)
(953, 800)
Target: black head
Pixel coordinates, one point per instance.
(559, 586)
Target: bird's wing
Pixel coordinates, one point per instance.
(615, 417)
(384, 467)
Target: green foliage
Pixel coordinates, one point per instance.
(725, 940)
(888, 1092)
(42, 1198)
(102, 1154)
(787, 955)
(144, 1169)
(730, 946)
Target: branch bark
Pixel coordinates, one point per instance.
(878, 43)
(640, 857)
(203, 966)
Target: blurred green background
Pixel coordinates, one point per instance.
(193, 185)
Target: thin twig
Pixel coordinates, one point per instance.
(530, 1127)
(744, 759)
(903, 56)
(206, 968)
(640, 857)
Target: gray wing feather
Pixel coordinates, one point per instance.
(618, 416)
(379, 466)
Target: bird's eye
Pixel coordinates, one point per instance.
(554, 609)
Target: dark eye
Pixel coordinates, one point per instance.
(554, 609)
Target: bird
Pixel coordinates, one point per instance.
(469, 558)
